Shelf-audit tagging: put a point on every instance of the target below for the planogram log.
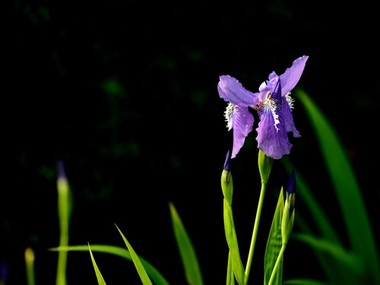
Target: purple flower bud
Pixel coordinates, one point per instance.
(227, 162)
(61, 170)
(291, 187)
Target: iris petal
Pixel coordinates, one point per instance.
(274, 143)
(292, 75)
(242, 123)
(275, 113)
(272, 136)
(231, 90)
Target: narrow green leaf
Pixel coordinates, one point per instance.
(335, 273)
(232, 242)
(156, 276)
(186, 249)
(305, 193)
(274, 244)
(136, 261)
(98, 274)
(336, 251)
(304, 282)
(230, 279)
(346, 188)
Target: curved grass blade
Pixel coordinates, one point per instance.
(305, 193)
(304, 282)
(186, 250)
(335, 272)
(156, 276)
(336, 251)
(144, 277)
(98, 274)
(346, 187)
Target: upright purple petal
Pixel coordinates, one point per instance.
(276, 89)
(292, 75)
(231, 90)
(242, 123)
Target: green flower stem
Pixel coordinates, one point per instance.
(278, 260)
(255, 230)
(64, 212)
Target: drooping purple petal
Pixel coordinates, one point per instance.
(292, 75)
(231, 90)
(272, 136)
(242, 122)
(274, 143)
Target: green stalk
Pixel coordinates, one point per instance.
(29, 260)
(255, 231)
(64, 209)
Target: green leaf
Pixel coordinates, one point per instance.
(304, 282)
(230, 279)
(98, 274)
(156, 276)
(346, 187)
(229, 229)
(335, 273)
(306, 194)
(274, 244)
(136, 261)
(336, 251)
(186, 250)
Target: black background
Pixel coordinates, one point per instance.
(124, 93)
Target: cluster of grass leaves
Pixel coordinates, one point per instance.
(357, 263)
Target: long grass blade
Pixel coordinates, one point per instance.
(98, 274)
(346, 187)
(186, 249)
(156, 276)
(144, 277)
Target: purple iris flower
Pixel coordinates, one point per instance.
(273, 104)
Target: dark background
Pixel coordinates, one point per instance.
(124, 93)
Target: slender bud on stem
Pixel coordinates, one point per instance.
(226, 180)
(265, 166)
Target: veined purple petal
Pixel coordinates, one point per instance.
(231, 90)
(292, 75)
(242, 123)
(272, 136)
(274, 143)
